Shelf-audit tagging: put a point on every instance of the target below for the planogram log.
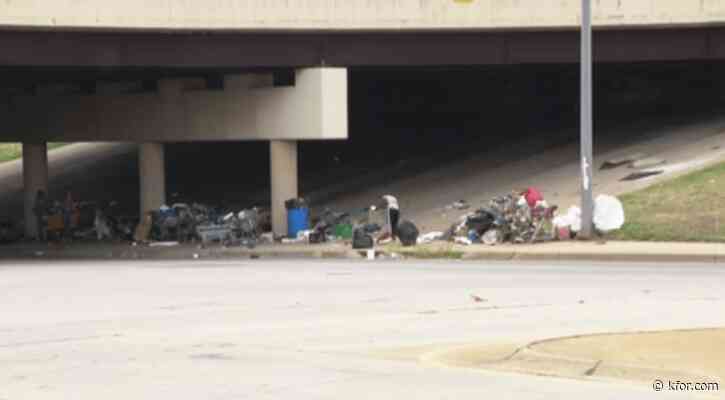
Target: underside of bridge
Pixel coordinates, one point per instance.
(299, 49)
(402, 90)
(297, 104)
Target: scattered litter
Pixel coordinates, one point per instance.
(386, 240)
(492, 237)
(370, 254)
(574, 218)
(304, 235)
(164, 244)
(196, 256)
(533, 196)
(458, 205)
(430, 237)
(563, 233)
(362, 240)
(608, 213)
(267, 237)
(463, 240)
(213, 233)
(642, 174)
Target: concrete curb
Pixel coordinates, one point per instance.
(617, 251)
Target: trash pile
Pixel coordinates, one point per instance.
(515, 217)
(184, 223)
(333, 226)
(84, 220)
(525, 217)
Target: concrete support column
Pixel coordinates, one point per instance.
(152, 175)
(35, 177)
(283, 171)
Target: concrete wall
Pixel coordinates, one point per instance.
(350, 14)
(248, 108)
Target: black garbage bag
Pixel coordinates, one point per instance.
(408, 233)
(361, 240)
(292, 204)
(317, 236)
(481, 221)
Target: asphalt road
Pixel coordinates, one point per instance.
(315, 330)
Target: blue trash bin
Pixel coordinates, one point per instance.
(297, 220)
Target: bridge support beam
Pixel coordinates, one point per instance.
(35, 178)
(283, 171)
(152, 174)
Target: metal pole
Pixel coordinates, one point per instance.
(587, 201)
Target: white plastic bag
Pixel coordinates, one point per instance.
(430, 237)
(575, 218)
(608, 213)
(572, 219)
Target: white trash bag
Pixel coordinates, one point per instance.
(430, 237)
(608, 213)
(572, 219)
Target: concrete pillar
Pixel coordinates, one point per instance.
(283, 171)
(153, 176)
(35, 177)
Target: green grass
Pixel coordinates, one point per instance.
(688, 208)
(14, 151)
(426, 252)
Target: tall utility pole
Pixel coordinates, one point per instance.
(587, 200)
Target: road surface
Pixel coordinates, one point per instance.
(321, 330)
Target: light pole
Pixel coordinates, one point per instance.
(587, 201)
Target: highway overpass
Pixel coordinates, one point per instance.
(276, 70)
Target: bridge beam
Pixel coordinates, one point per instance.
(283, 176)
(152, 176)
(250, 107)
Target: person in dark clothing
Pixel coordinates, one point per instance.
(40, 209)
(392, 214)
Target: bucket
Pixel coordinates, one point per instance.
(297, 220)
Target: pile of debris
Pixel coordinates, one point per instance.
(515, 217)
(184, 223)
(525, 217)
(334, 226)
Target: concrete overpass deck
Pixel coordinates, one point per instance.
(352, 15)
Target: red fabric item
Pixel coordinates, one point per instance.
(533, 196)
